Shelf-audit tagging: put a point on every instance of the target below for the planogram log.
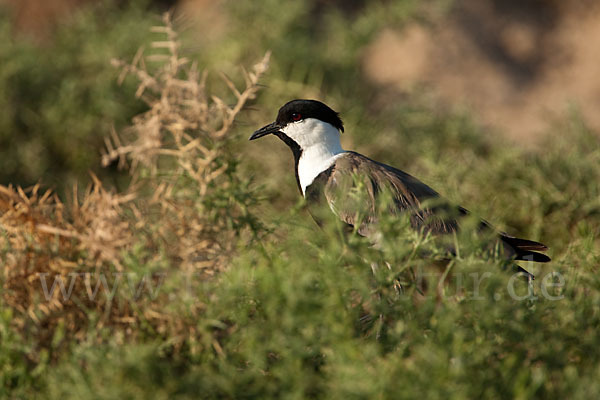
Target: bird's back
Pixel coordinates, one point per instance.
(358, 190)
(357, 187)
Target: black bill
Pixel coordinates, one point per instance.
(265, 130)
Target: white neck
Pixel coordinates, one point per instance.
(320, 144)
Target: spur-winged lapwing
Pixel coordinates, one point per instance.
(326, 171)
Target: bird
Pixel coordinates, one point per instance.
(326, 172)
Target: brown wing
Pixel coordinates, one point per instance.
(355, 185)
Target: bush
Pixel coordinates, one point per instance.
(74, 272)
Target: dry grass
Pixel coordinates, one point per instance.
(181, 212)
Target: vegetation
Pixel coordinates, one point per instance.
(200, 274)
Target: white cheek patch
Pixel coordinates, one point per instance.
(300, 132)
(320, 144)
(311, 131)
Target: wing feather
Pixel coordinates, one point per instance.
(354, 185)
(356, 182)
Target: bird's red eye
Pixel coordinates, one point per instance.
(296, 117)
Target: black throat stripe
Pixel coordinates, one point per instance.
(296, 151)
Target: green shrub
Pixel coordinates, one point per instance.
(60, 99)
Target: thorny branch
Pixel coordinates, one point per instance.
(166, 218)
